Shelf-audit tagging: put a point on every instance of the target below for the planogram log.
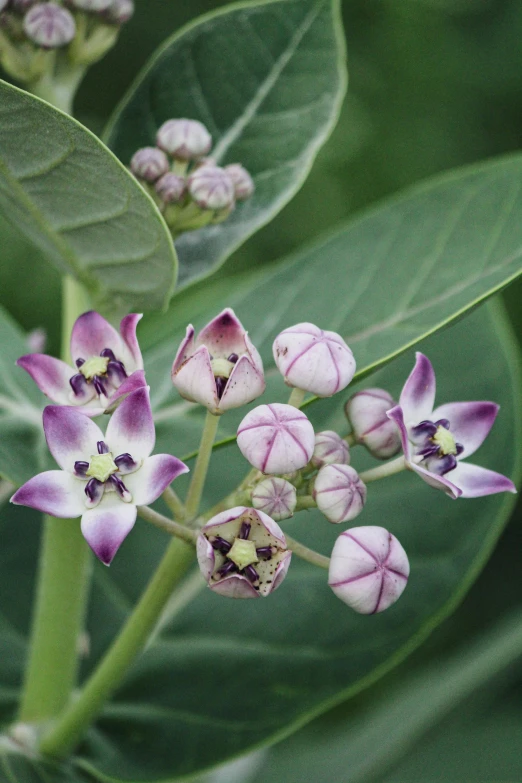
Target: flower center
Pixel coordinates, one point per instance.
(243, 553)
(101, 467)
(445, 441)
(97, 365)
(221, 368)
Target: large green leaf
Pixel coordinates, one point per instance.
(267, 79)
(67, 192)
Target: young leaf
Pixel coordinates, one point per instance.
(67, 192)
(267, 79)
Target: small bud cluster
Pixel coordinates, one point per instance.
(188, 186)
(84, 29)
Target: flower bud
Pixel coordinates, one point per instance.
(120, 11)
(276, 438)
(171, 188)
(149, 163)
(95, 6)
(242, 553)
(184, 139)
(211, 188)
(330, 448)
(369, 569)
(339, 493)
(313, 360)
(276, 497)
(243, 182)
(366, 412)
(49, 25)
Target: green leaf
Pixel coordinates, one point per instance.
(267, 79)
(232, 675)
(67, 193)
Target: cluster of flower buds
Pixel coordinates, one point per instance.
(189, 187)
(31, 30)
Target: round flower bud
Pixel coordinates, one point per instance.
(330, 448)
(120, 11)
(49, 25)
(242, 553)
(171, 188)
(276, 438)
(95, 6)
(243, 182)
(149, 163)
(339, 493)
(184, 139)
(369, 569)
(211, 188)
(366, 412)
(276, 497)
(313, 360)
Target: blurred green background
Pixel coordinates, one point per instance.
(434, 84)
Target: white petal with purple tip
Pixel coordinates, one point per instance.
(154, 476)
(223, 335)
(244, 385)
(195, 380)
(71, 435)
(91, 333)
(54, 492)
(131, 428)
(50, 375)
(475, 481)
(106, 526)
(418, 393)
(470, 422)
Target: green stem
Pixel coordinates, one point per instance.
(200, 471)
(350, 439)
(70, 727)
(166, 524)
(174, 503)
(59, 87)
(304, 502)
(296, 397)
(383, 471)
(309, 555)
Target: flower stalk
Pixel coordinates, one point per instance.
(383, 471)
(200, 471)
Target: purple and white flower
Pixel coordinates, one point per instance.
(103, 478)
(49, 25)
(330, 449)
(276, 438)
(366, 412)
(275, 497)
(369, 569)
(149, 163)
(339, 493)
(313, 360)
(242, 553)
(435, 441)
(220, 369)
(184, 139)
(211, 187)
(108, 365)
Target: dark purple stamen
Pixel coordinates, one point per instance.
(79, 362)
(220, 386)
(264, 552)
(118, 485)
(92, 489)
(228, 568)
(428, 451)
(81, 468)
(244, 531)
(459, 447)
(125, 463)
(116, 370)
(221, 545)
(251, 573)
(98, 385)
(233, 358)
(443, 423)
(77, 383)
(108, 354)
(424, 429)
(441, 465)
(102, 447)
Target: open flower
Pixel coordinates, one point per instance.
(220, 369)
(435, 441)
(108, 365)
(242, 553)
(103, 477)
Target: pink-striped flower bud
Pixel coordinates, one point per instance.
(211, 188)
(243, 182)
(242, 553)
(49, 25)
(313, 360)
(339, 493)
(171, 188)
(275, 497)
(276, 438)
(330, 449)
(184, 139)
(149, 163)
(369, 569)
(366, 412)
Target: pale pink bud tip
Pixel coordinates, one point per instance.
(184, 139)
(369, 569)
(149, 163)
(211, 188)
(330, 449)
(49, 25)
(171, 188)
(95, 6)
(276, 497)
(339, 493)
(314, 360)
(366, 412)
(243, 182)
(120, 11)
(276, 438)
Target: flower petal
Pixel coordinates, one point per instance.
(91, 333)
(50, 375)
(195, 380)
(475, 482)
(135, 381)
(418, 393)
(185, 350)
(134, 361)
(106, 526)
(53, 492)
(396, 414)
(223, 335)
(470, 422)
(244, 385)
(437, 482)
(235, 586)
(156, 473)
(131, 428)
(71, 435)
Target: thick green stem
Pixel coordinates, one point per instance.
(174, 503)
(72, 724)
(168, 525)
(383, 471)
(296, 397)
(200, 471)
(310, 555)
(59, 87)
(305, 501)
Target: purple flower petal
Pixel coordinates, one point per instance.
(131, 428)
(53, 492)
(418, 393)
(235, 586)
(195, 380)
(244, 385)
(223, 335)
(71, 435)
(438, 482)
(156, 473)
(396, 414)
(470, 422)
(475, 482)
(91, 333)
(135, 381)
(106, 526)
(50, 375)
(130, 341)
(185, 350)
(206, 556)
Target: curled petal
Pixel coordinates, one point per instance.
(90, 334)
(206, 557)
(134, 360)
(71, 436)
(396, 414)
(418, 393)
(223, 335)
(50, 375)
(135, 381)
(438, 482)
(131, 428)
(474, 481)
(156, 473)
(106, 526)
(195, 380)
(54, 492)
(470, 422)
(185, 350)
(235, 586)
(244, 385)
